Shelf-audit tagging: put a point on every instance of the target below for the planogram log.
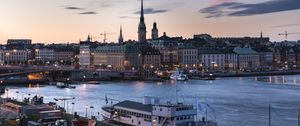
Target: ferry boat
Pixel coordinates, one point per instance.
(131, 113)
(179, 76)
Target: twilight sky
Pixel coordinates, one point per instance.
(58, 21)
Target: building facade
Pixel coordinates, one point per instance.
(231, 61)
(85, 57)
(211, 59)
(64, 56)
(248, 59)
(151, 58)
(45, 55)
(188, 57)
(133, 57)
(110, 56)
(15, 56)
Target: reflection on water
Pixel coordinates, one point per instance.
(288, 80)
(234, 101)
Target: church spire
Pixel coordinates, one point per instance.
(142, 26)
(142, 11)
(121, 39)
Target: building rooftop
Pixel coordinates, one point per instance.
(134, 105)
(240, 50)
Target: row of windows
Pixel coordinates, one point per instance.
(189, 52)
(185, 118)
(184, 108)
(122, 112)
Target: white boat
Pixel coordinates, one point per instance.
(64, 85)
(60, 85)
(179, 76)
(151, 113)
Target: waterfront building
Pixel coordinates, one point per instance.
(265, 58)
(291, 58)
(231, 59)
(142, 31)
(151, 58)
(211, 59)
(297, 53)
(248, 59)
(85, 57)
(87, 52)
(17, 56)
(45, 55)
(168, 47)
(133, 57)
(110, 56)
(188, 56)
(154, 34)
(64, 55)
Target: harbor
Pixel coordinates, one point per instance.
(233, 101)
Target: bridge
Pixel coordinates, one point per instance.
(21, 75)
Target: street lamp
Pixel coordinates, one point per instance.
(91, 107)
(86, 109)
(73, 104)
(17, 95)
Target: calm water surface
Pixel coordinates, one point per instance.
(232, 101)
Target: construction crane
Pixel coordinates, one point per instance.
(104, 34)
(64, 100)
(286, 34)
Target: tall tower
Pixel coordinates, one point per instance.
(121, 39)
(142, 26)
(154, 31)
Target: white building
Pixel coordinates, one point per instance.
(85, 57)
(16, 56)
(188, 57)
(211, 59)
(231, 61)
(1, 57)
(45, 55)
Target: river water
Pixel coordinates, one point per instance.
(231, 101)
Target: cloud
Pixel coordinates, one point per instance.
(88, 13)
(244, 9)
(73, 8)
(152, 11)
(286, 25)
(128, 17)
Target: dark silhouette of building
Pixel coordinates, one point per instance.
(142, 26)
(121, 39)
(154, 31)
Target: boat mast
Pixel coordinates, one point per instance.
(269, 114)
(206, 109)
(176, 93)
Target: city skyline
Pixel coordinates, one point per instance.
(59, 21)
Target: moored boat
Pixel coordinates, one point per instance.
(151, 113)
(179, 76)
